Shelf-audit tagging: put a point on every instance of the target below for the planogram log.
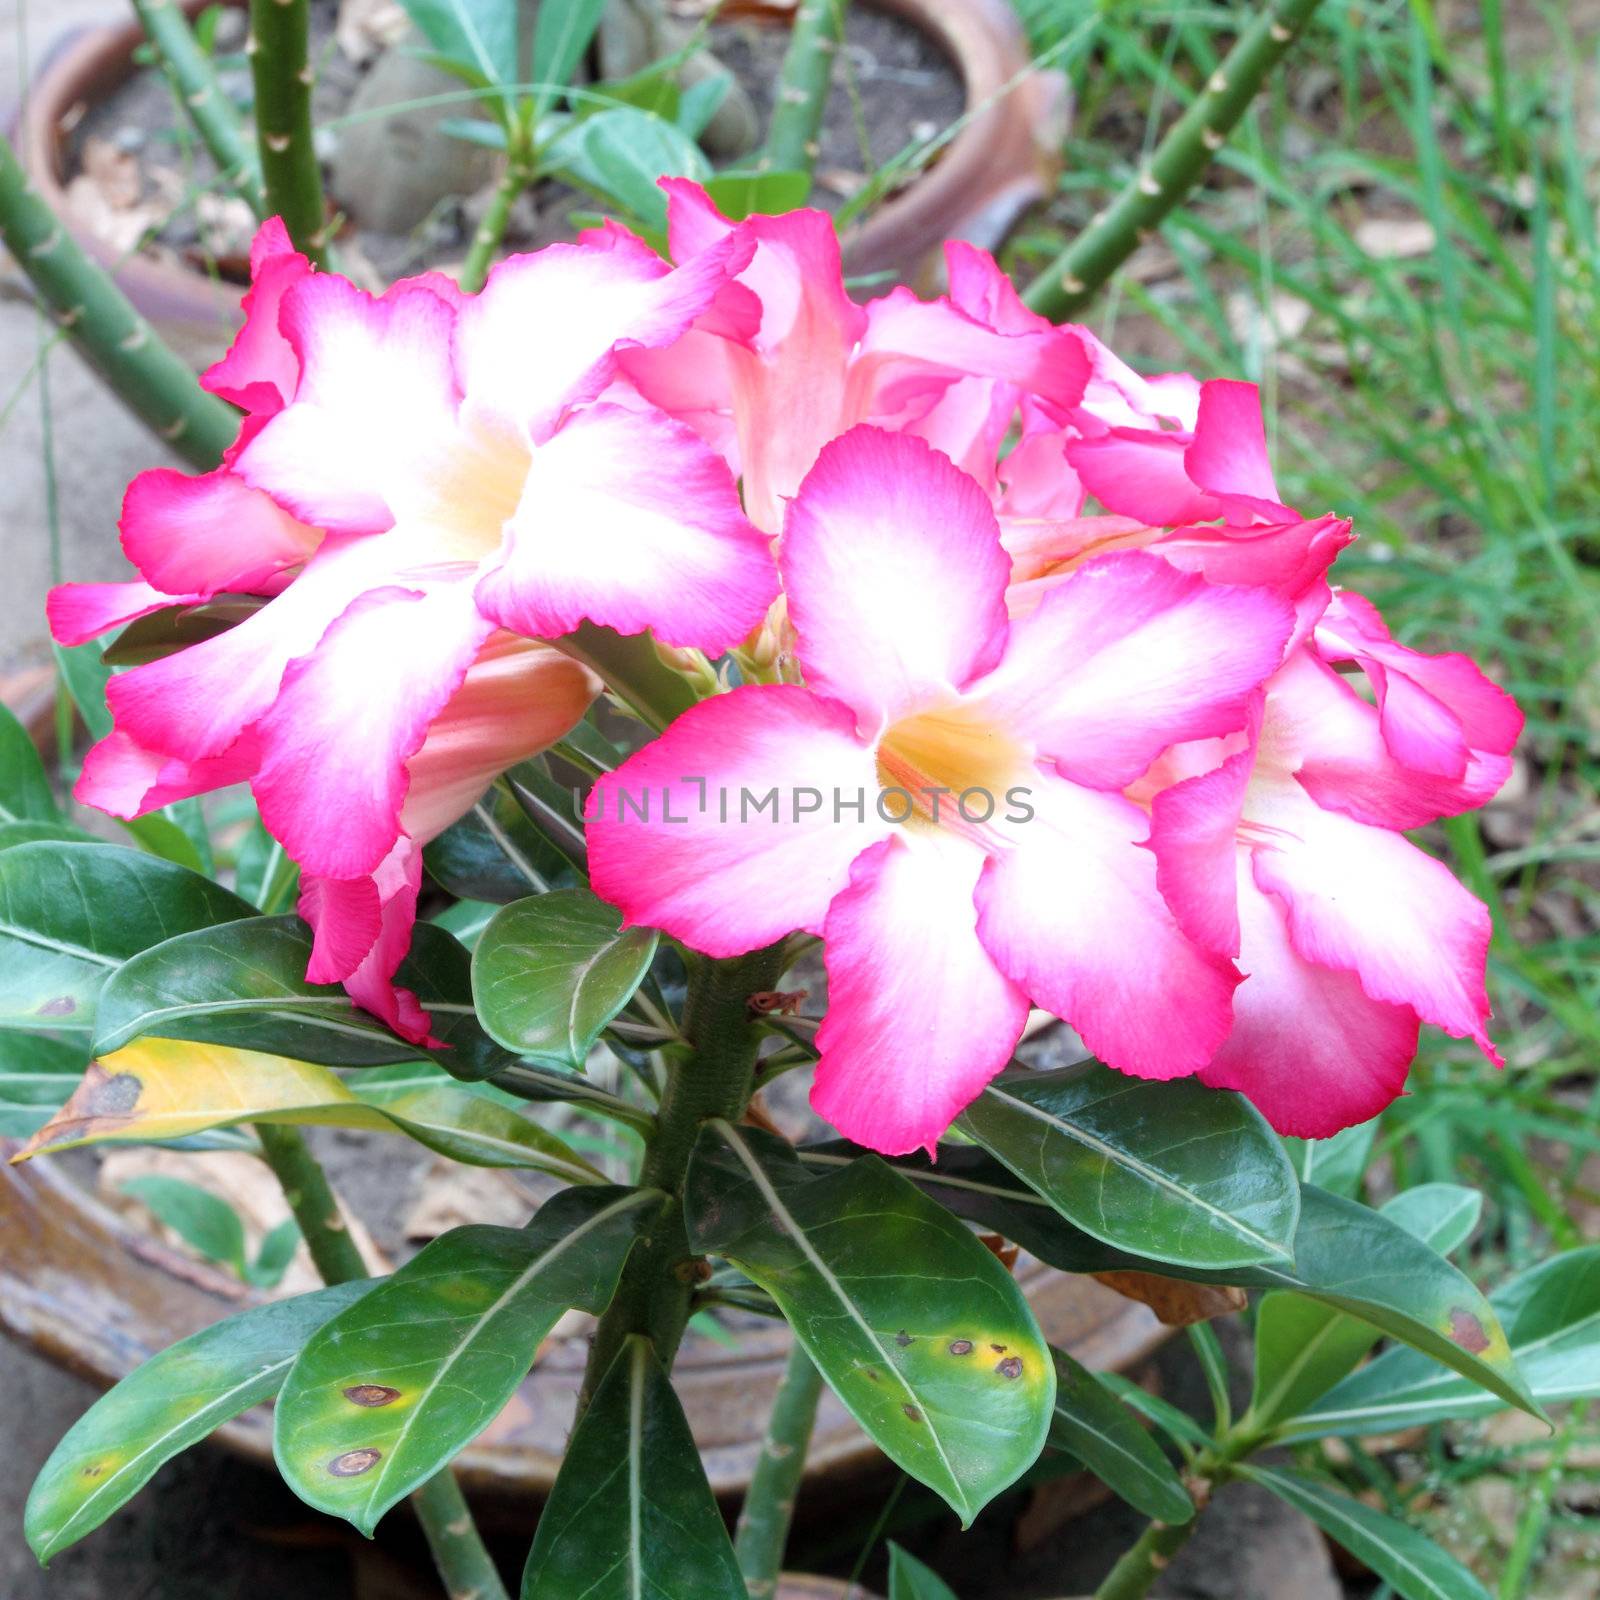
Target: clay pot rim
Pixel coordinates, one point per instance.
(981, 183)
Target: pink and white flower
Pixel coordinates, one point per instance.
(938, 931)
(425, 482)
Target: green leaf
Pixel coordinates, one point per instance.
(909, 1579)
(161, 833)
(1410, 1562)
(477, 37)
(389, 1392)
(1551, 1315)
(700, 102)
(173, 1401)
(204, 1221)
(15, 833)
(917, 1327)
(165, 632)
(631, 1516)
(159, 1090)
(1175, 1171)
(474, 130)
(37, 1077)
(621, 153)
(25, 794)
(243, 984)
(1337, 1164)
(71, 914)
(1345, 1255)
(1093, 1425)
(747, 194)
(1304, 1347)
(275, 1255)
(551, 971)
(493, 853)
(561, 34)
(653, 89)
(86, 677)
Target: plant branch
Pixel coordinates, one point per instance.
(486, 241)
(464, 1564)
(1137, 1571)
(714, 1080)
(1072, 279)
(278, 47)
(763, 1529)
(802, 93)
(143, 373)
(194, 85)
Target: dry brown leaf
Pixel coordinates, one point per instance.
(1176, 1303)
(451, 1196)
(107, 195)
(245, 1183)
(364, 27)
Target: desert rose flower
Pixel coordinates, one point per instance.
(786, 361)
(420, 477)
(948, 792)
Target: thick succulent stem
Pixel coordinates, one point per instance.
(713, 1080)
(802, 93)
(148, 378)
(1072, 279)
(280, 63)
(458, 1550)
(764, 1518)
(1135, 1574)
(195, 87)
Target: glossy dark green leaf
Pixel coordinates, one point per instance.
(15, 833)
(163, 633)
(746, 194)
(1336, 1164)
(479, 37)
(909, 1579)
(173, 1401)
(917, 1327)
(1093, 1425)
(389, 1392)
(243, 984)
(493, 853)
(551, 971)
(173, 835)
(71, 914)
(561, 34)
(25, 794)
(1174, 1171)
(1304, 1347)
(1551, 1315)
(631, 1516)
(37, 1077)
(1345, 1255)
(1409, 1561)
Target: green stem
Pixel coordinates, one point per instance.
(802, 94)
(195, 87)
(458, 1551)
(146, 376)
(278, 47)
(713, 1080)
(1133, 1575)
(764, 1518)
(633, 670)
(1071, 280)
(493, 227)
(467, 1568)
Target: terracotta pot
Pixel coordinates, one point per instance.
(1000, 163)
(98, 1297)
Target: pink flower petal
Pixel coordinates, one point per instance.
(78, 612)
(895, 576)
(1229, 453)
(351, 713)
(541, 336)
(1130, 656)
(261, 368)
(919, 1017)
(1309, 1049)
(1134, 472)
(703, 863)
(346, 917)
(376, 397)
(1364, 900)
(1287, 557)
(123, 779)
(1072, 912)
(628, 519)
(211, 534)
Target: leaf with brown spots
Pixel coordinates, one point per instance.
(1176, 1303)
(173, 1401)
